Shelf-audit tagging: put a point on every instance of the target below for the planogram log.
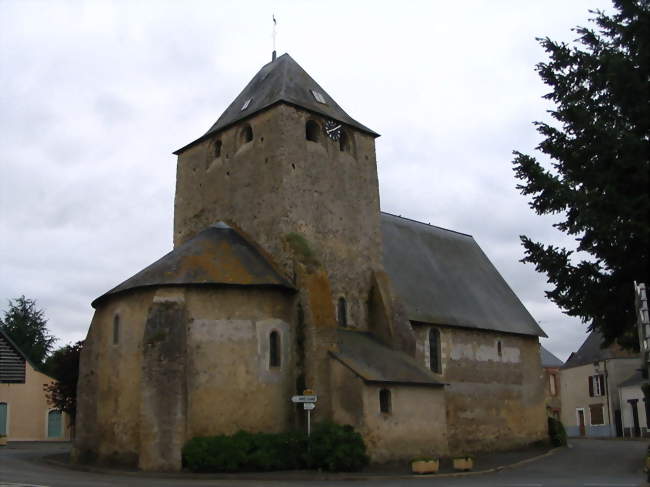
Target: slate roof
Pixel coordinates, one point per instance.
(218, 255)
(548, 359)
(590, 351)
(282, 80)
(374, 362)
(443, 277)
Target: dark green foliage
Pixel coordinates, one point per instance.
(27, 327)
(246, 452)
(337, 448)
(333, 447)
(556, 432)
(598, 146)
(63, 365)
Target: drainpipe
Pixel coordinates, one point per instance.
(609, 408)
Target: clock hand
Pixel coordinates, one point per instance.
(335, 128)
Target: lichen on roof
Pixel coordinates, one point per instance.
(218, 255)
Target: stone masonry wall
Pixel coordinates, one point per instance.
(280, 184)
(495, 401)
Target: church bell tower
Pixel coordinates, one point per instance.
(285, 162)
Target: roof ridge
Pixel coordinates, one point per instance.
(427, 224)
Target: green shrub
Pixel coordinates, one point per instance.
(332, 447)
(245, 452)
(556, 432)
(336, 448)
(217, 453)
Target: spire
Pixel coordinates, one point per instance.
(275, 23)
(281, 81)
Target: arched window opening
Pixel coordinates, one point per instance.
(247, 134)
(312, 131)
(384, 401)
(116, 329)
(274, 349)
(4, 410)
(217, 148)
(499, 351)
(54, 420)
(344, 142)
(342, 312)
(434, 350)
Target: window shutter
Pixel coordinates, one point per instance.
(601, 379)
(591, 385)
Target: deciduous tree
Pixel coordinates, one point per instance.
(63, 365)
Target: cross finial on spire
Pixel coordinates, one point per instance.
(274, 24)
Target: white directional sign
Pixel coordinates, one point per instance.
(308, 406)
(305, 399)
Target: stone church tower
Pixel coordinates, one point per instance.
(286, 165)
(284, 161)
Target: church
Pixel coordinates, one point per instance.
(285, 276)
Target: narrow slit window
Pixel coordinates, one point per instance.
(247, 134)
(116, 329)
(499, 349)
(385, 401)
(344, 142)
(434, 350)
(311, 131)
(342, 312)
(274, 349)
(217, 149)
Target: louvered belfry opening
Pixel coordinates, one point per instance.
(12, 363)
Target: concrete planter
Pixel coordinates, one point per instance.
(463, 463)
(425, 466)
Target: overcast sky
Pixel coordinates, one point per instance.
(95, 96)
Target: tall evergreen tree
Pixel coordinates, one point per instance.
(27, 327)
(599, 148)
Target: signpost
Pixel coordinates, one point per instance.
(308, 400)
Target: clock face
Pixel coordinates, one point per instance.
(333, 129)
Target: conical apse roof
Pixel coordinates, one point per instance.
(219, 255)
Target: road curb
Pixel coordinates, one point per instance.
(315, 476)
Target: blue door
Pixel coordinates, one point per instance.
(54, 424)
(3, 418)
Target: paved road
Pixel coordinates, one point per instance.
(587, 463)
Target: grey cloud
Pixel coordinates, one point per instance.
(97, 95)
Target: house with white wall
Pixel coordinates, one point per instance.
(634, 408)
(591, 405)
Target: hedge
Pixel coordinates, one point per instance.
(331, 447)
